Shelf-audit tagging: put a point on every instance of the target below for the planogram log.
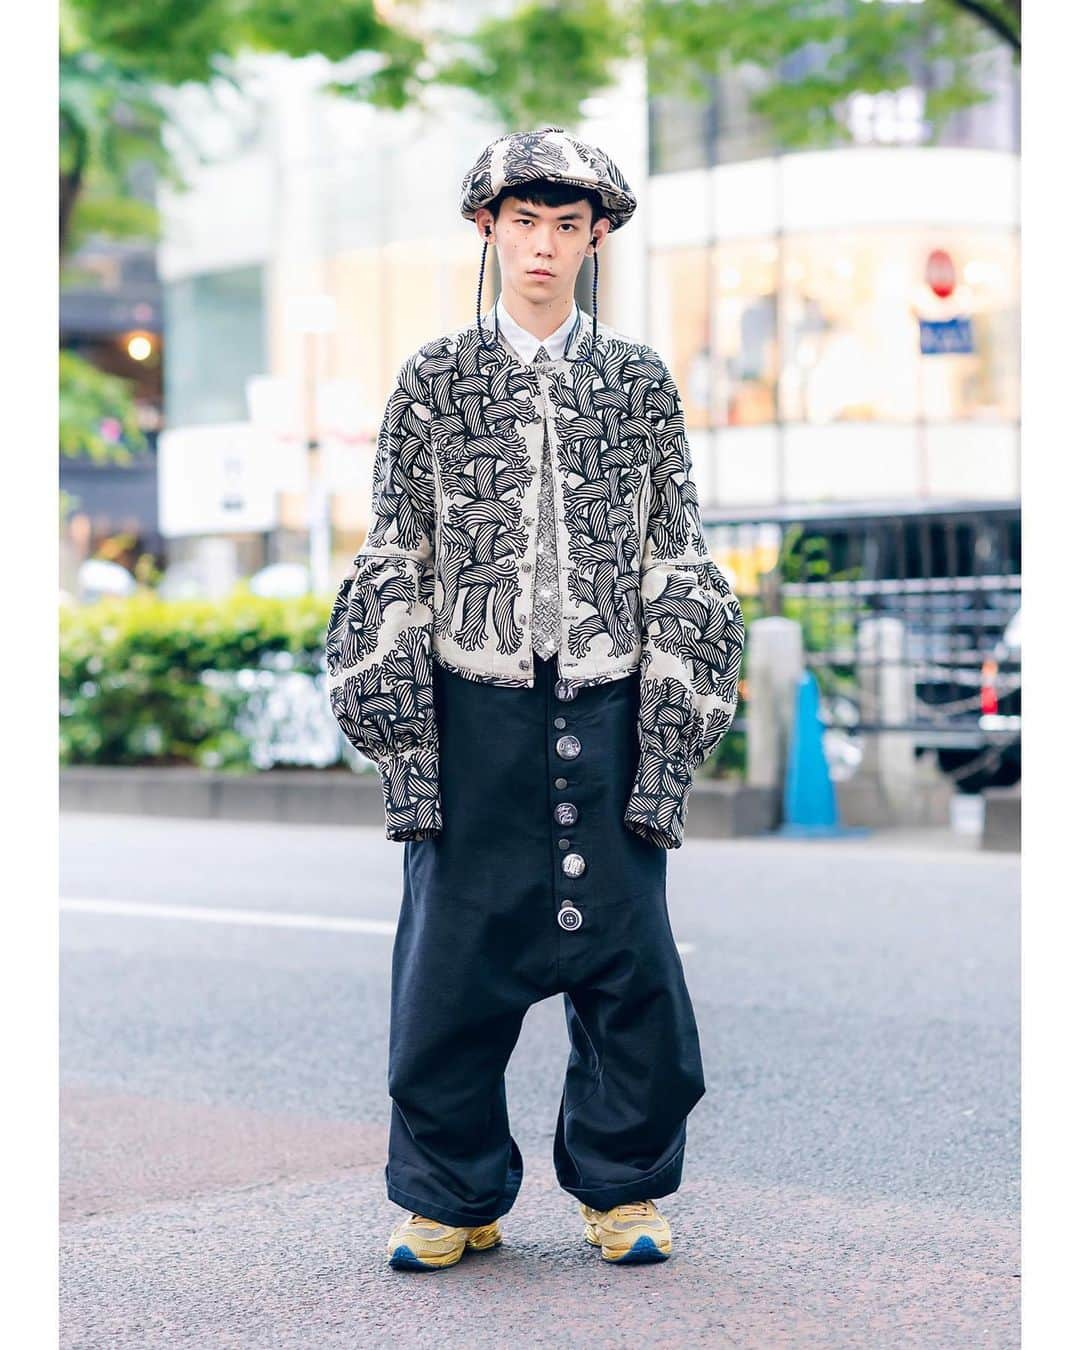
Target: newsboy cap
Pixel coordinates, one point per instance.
(549, 152)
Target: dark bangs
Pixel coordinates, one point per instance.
(547, 192)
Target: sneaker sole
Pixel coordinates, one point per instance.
(643, 1252)
(404, 1258)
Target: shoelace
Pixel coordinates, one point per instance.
(420, 1219)
(632, 1209)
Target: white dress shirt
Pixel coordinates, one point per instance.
(525, 344)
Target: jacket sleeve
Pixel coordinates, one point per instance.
(379, 637)
(692, 635)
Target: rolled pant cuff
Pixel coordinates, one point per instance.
(651, 1187)
(457, 1218)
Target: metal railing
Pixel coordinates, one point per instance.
(903, 611)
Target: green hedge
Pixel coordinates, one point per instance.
(145, 680)
(137, 676)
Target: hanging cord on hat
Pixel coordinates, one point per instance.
(590, 358)
(595, 283)
(479, 294)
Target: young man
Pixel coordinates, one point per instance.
(537, 650)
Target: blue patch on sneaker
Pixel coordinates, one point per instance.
(406, 1259)
(643, 1250)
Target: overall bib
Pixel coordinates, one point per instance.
(534, 888)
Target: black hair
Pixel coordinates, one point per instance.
(548, 192)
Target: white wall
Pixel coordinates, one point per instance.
(835, 189)
(868, 461)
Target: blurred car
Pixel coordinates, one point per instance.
(98, 578)
(181, 581)
(992, 759)
(282, 581)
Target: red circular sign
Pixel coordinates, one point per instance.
(940, 273)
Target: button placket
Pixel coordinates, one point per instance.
(565, 813)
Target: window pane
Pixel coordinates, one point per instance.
(744, 324)
(678, 133)
(679, 325)
(850, 310)
(216, 340)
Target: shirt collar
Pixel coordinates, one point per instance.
(525, 345)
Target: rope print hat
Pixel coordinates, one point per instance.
(549, 152)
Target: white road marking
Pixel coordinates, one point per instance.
(252, 918)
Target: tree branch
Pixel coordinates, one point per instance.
(71, 179)
(988, 16)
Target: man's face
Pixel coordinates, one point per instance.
(541, 248)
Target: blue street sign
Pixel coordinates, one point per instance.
(945, 337)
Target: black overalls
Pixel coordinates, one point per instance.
(536, 887)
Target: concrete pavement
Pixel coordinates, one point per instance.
(852, 1171)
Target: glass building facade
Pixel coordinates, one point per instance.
(788, 289)
(824, 327)
(217, 338)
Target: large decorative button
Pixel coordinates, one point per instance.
(573, 865)
(569, 917)
(568, 747)
(566, 813)
(565, 691)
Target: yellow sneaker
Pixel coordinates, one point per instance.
(629, 1234)
(425, 1244)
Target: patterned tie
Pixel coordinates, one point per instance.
(547, 610)
(546, 622)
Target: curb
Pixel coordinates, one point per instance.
(1001, 824)
(719, 809)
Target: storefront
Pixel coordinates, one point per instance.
(791, 296)
(824, 327)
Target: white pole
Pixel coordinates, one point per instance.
(318, 496)
(312, 316)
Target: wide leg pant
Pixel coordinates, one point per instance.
(535, 887)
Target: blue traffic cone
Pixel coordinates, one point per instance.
(809, 794)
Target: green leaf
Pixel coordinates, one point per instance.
(87, 397)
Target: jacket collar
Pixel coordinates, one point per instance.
(578, 341)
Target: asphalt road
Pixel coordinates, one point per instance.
(851, 1175)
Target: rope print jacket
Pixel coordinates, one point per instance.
(446, 571)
